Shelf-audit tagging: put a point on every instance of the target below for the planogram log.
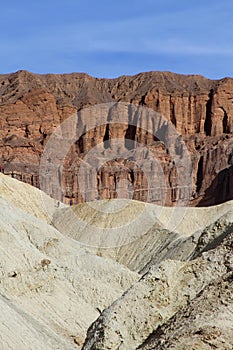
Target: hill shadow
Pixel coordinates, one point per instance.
(221, 189)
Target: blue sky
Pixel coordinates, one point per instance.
(111, 38)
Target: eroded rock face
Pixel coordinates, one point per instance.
(32, 106)
(161, 294)
(199, 325)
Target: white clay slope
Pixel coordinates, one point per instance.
(59, 268)
(138, 234)
(51, 288)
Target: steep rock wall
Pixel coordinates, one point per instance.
(32, 106)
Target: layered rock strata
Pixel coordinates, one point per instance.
(33, 106)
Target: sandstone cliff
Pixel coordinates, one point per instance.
(32, 106)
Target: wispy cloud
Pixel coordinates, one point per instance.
(191, 30)
(152, 34)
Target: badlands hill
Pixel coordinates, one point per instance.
(113, 274)
(145, 107)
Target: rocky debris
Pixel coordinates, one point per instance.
(160, 294)
(32, 106)
(213, 234)
(205, 323)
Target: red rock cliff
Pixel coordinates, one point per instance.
(32, 106)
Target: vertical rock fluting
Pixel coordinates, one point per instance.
(32, 106)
